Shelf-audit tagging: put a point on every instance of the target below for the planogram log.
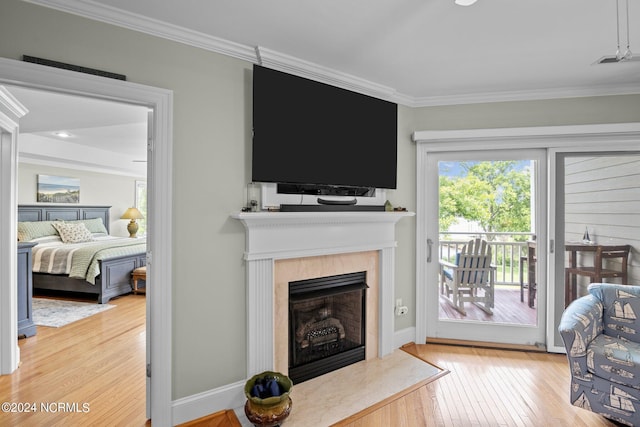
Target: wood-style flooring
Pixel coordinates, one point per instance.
(94, 368)
(100, 361)
(507, 308)
(487, 387)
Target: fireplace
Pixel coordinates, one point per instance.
(333, 243)
(326, 324)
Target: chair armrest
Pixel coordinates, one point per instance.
(444, 263)
(580, 323)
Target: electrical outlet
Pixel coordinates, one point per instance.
(402, 310)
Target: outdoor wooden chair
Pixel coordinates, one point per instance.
(470, 279)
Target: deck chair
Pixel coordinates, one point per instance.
(470, 279)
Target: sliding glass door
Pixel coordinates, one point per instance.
(597, 207)
(498, 198)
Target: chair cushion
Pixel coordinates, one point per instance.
(448, 272)
(141, 271)
(615, 359)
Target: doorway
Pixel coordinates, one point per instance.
(493, 196)
(102, 145)
(159, 199)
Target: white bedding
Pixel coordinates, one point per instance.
(80, 260)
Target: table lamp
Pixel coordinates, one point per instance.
(132, 214)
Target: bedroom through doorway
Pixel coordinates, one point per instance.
(102, 146)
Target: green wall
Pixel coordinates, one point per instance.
(211, 161)
(211, 141)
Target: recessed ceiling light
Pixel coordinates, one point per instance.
(464, 2)
(62, 134)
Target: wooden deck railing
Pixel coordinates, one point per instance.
(506, 250)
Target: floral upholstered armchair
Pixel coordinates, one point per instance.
(602, 336)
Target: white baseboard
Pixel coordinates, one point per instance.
(231, 396)
(404, 336)
(556, 349)
(208, 402)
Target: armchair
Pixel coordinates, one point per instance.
(601, 335)
(471, 278)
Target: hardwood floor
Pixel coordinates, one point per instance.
(94, 367)
(487, 387)
(100, 361)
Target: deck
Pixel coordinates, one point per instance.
(507, 308)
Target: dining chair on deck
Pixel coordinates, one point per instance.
(470, 279)
(530, 259)
(603, 267)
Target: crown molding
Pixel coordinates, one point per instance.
(524, 95)
(10, 102)
(283, 62)
(132, 21)
(254, 54)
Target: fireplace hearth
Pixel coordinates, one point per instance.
(326, 324)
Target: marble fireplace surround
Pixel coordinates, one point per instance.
(278, 243)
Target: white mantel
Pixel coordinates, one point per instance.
(284, 235)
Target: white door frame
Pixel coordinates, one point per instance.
(477, 330)
(159, 243)
(11, 111)
(619, 135)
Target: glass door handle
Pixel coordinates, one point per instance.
(429, 248)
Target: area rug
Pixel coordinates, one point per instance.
(356, 389)
(56, 313)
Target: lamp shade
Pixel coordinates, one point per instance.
(132, 213)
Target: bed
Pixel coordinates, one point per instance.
(109, 261)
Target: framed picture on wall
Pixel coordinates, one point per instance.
(58, 189)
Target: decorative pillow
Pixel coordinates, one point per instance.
(94, 225)
(73, 233)
(29, 230)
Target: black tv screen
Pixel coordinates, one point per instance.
(306, 132)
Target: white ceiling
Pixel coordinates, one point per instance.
(419, 52)
(105, 136)
(414, 52)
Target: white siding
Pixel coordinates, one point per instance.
(602, 194)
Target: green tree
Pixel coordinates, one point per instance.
(494, 194)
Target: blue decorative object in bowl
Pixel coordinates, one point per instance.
(268, 401)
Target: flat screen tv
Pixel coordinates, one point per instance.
(314, 138)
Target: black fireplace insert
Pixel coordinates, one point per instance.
(327, 326)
